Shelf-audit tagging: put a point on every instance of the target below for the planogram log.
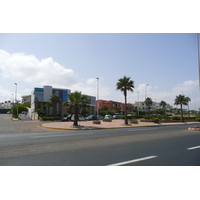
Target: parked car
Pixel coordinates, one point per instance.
(108, 117)
(68, 118)
(91, 117)
(80, 118)
(116, 117)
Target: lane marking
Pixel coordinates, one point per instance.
(142, 129)
(132, 161)
(46, 136)
(191, 148)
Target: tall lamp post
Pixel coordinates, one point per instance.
(97, 97)
(146, 93)
(146, 90)
(16, 97)
(138, 102)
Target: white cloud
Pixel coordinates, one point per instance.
(35, 72)
(188, 88)
(31, 70)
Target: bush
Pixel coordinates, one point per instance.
(176, 118)
(47, 118)
(198, 119)
(155, 120)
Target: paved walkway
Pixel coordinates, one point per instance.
(88, 125)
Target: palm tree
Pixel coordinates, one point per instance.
(54, 100)
(182, 100)
(76, 101)
(163, 104)
(48, 104)
(125, 84)
(148, 101)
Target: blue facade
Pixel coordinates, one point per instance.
(39, 92)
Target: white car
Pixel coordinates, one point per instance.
(108, 117)
(80, 118)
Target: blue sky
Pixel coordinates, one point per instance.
(167, 62)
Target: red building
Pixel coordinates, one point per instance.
(117, 106)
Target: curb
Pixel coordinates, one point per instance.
(83, 129)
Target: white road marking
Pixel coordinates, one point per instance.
(191, 148)
(46, 136)
(132, 161)
(146, 129)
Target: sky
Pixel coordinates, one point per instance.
(166, 61)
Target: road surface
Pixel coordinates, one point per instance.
(146, 146)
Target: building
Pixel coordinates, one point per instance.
(26, 99)
(40, 96)
(117, 106)
(155, 106)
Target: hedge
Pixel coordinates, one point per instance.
(47, 118)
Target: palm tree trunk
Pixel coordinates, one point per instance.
(76, 116)
(126, 120)
(182, 114)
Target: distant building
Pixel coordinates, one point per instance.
(26, 99)
(155, 106)
(40, 96)
(117, 106)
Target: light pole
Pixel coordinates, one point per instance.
(146, 90)
(138, 102)
(16, 97)
(15, 93)
(198, 58)
(97, 98)
(146, 94)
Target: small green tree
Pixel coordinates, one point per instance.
(148, 101)
(17, 109)
(163, 104)
(75, 103)
(55, 99)
(125, 84)
(182, 100)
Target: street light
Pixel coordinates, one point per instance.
(97, 97)
(146, 90)
(15, 92)
(16, 97)
(138, 102)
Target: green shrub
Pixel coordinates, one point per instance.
(176, 118)
(198, 119)
(155, 120)
(47, 118)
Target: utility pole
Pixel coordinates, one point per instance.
(198, 59)
(97, 98)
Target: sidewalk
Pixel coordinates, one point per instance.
(88, 125)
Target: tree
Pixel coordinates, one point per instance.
(18, 108)
(48, 104)
(75, 103)
(163, 104)
(103, 107)
(125, 84)
(54, 100)
(182, 100)
(148, 101)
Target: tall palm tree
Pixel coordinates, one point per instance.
(76, 101)
(55, 99)
(48, 104)
(125, 84)
(148, 101)
(182, 100)
(163, 104)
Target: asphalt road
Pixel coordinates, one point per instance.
(145, 146)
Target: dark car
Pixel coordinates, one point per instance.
(116, 117)
(68, 118)
(91, 117)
